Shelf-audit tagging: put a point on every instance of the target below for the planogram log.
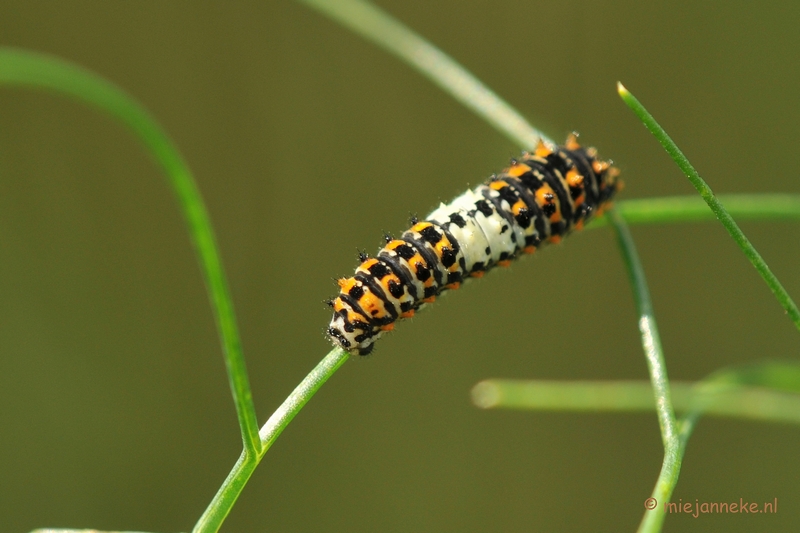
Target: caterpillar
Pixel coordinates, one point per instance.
(538, 199)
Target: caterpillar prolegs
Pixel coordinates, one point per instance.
(540, 198)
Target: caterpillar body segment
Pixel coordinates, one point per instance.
(539, 198)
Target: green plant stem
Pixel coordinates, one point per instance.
(693, 209)
(720, 399)
(673, 451)
(231, 488)
(713, 202)
(383, 30)
(30, 69)
(300, 396)
(651, 341)
(762, 391)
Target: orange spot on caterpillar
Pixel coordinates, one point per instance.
(546, 197)
(368, 301)
(529, 249)
(504, 262)
(555, 239)
(387, 327)
(572, 141)
(542, 150)
(518, 170)
(478, 274)
(454, 286)
(574, 179)
(352, 316)
(600, 166)
(429, 300)
(420, 226)
(368, 263)
(407, 314)
(518, 206)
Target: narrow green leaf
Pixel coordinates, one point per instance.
(33, 70)
(382, 29)
(713, 202)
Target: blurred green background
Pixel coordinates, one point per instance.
(307, 143)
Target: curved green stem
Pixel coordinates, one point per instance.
(30, 69)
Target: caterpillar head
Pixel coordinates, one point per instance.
(350, 329)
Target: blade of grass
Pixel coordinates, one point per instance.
(713, 202)
(29, 69)
(390, 34)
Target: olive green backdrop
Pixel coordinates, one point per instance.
(307, 143)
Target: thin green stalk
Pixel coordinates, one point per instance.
(773, 376)
(300, 396)
(673, 452)
(713, 202)
(721, 394)
(651, 341)
(716, 399)
(232, 487)
(31, 69)
(693, 209)
(382, 29)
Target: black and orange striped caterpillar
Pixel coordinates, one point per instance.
(538, 199)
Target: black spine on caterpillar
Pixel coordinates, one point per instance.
(538, 199)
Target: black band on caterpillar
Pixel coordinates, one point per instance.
(538, 199)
